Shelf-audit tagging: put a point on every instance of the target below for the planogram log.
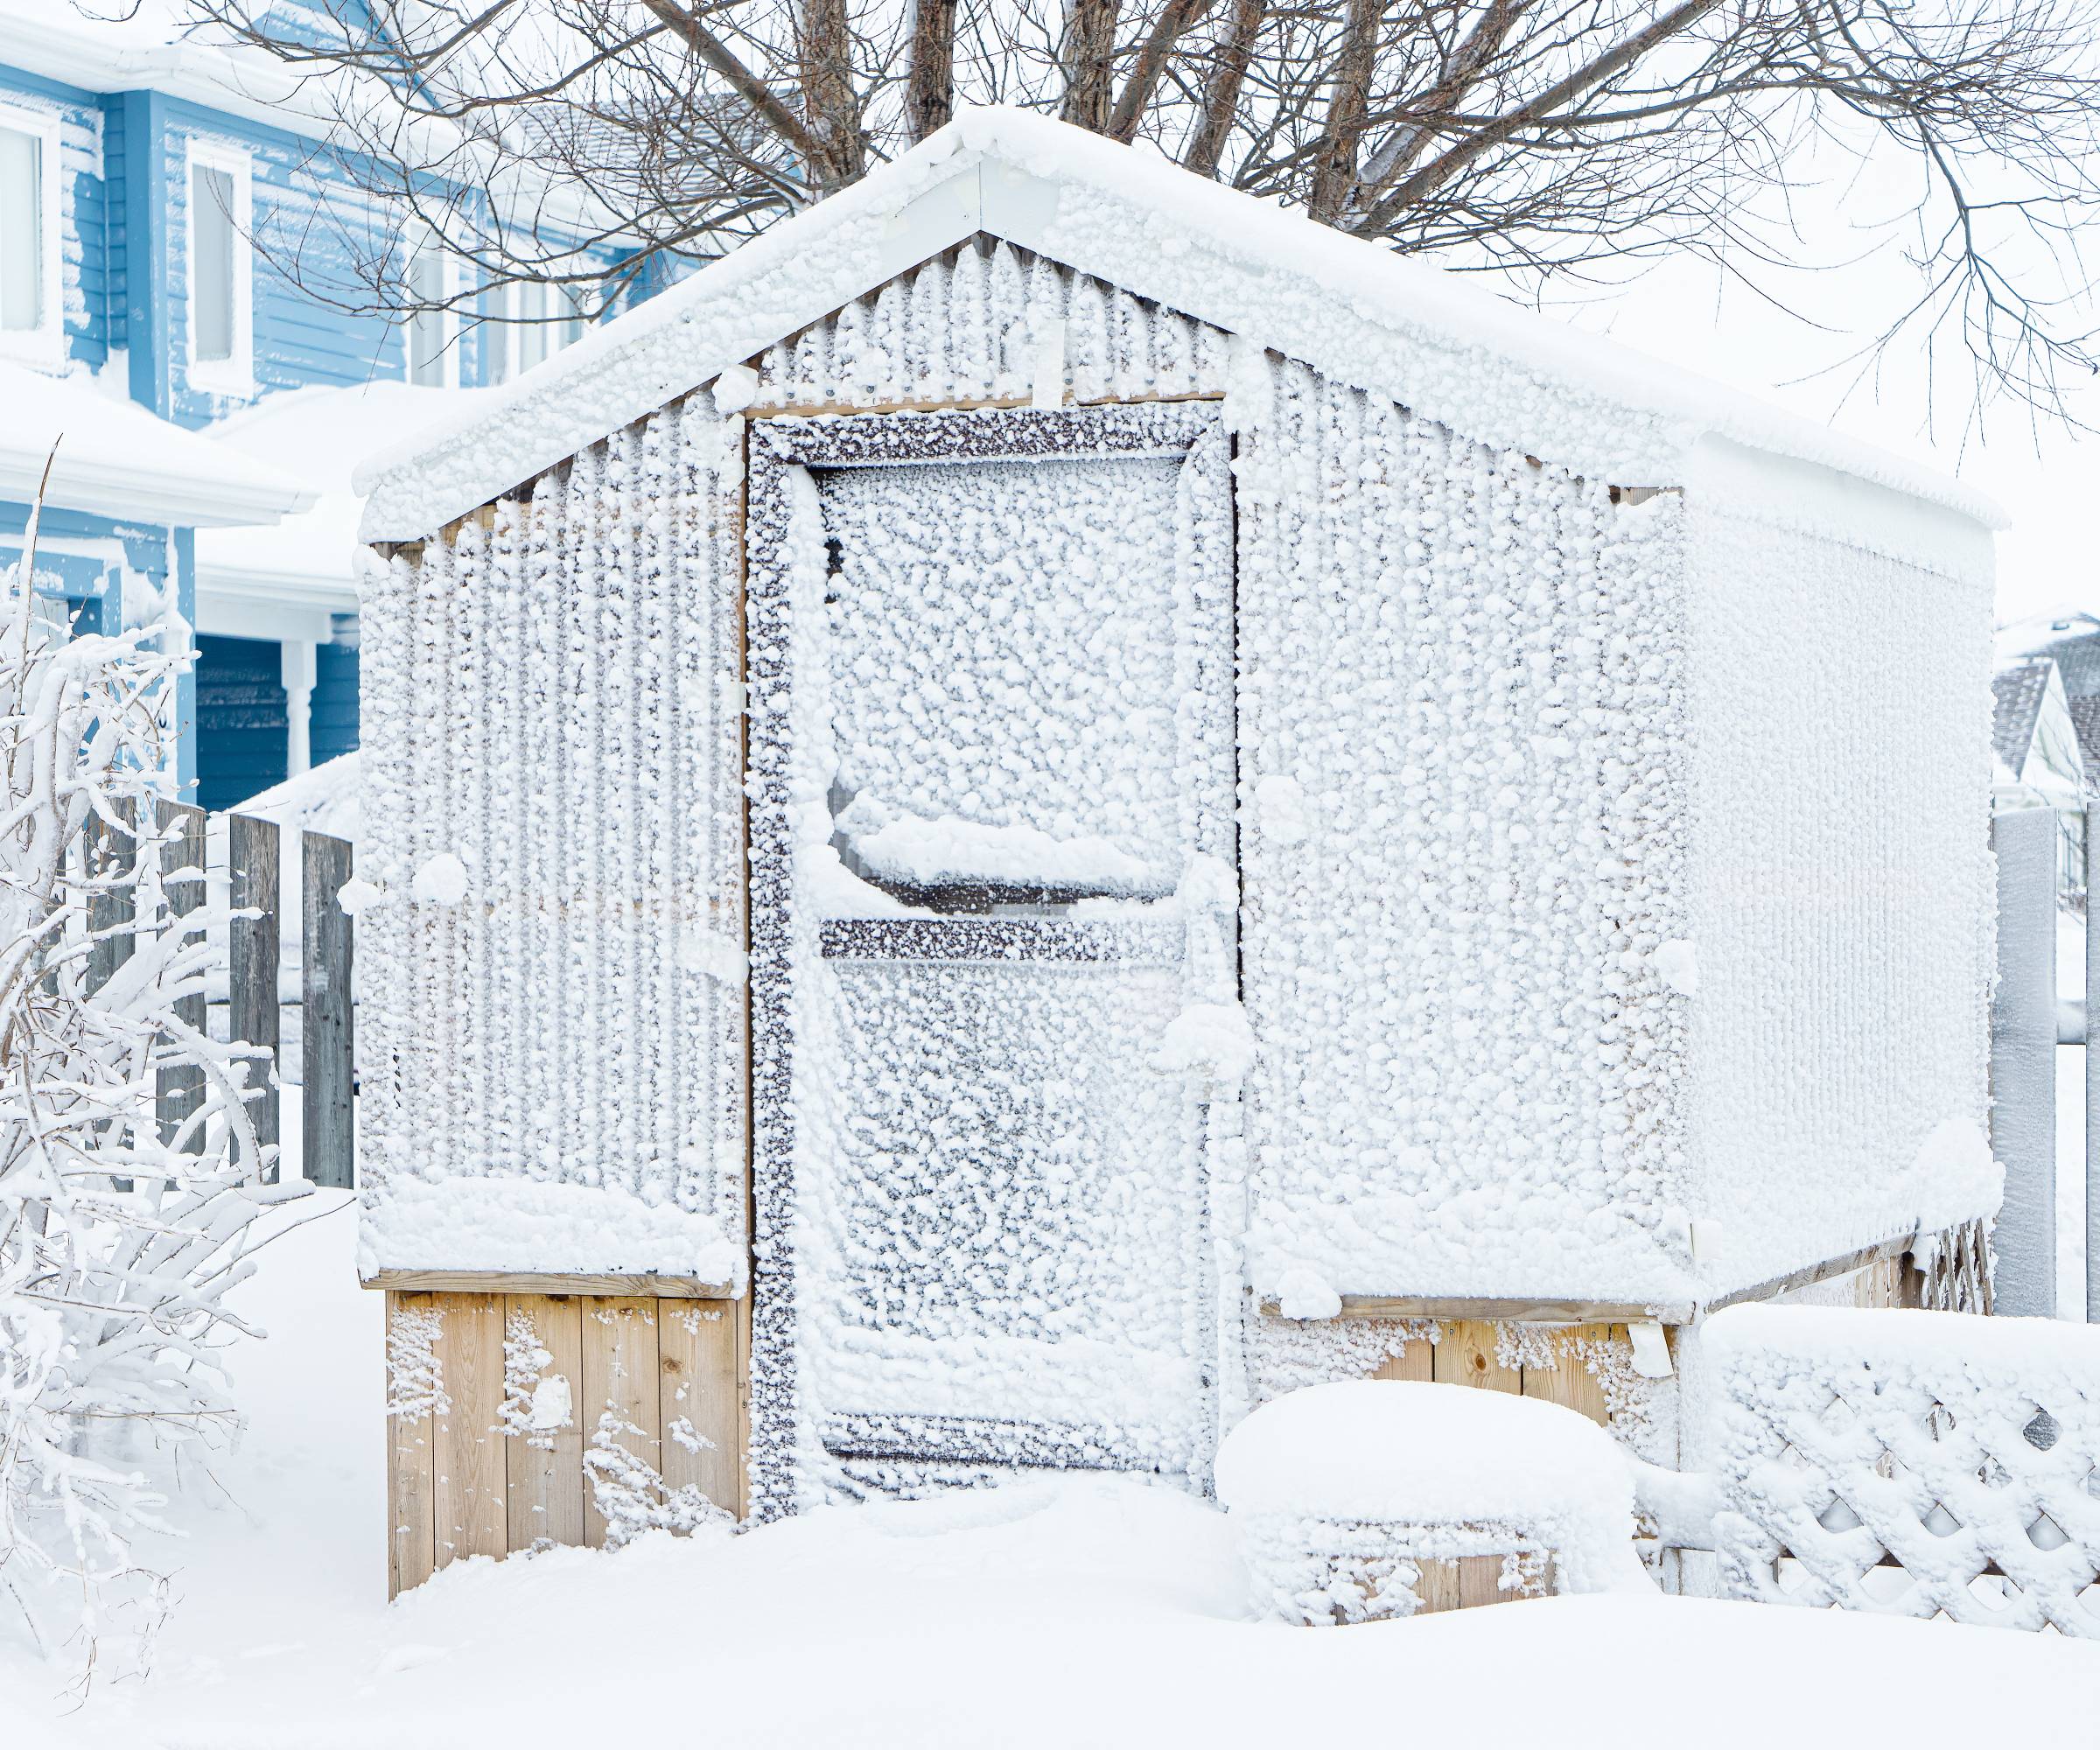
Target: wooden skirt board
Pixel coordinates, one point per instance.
(461, 1482)
(1465, 1353)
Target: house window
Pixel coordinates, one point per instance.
(29, 235)
(433, 358)
(221, 349)
(550, 317)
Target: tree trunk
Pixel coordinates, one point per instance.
(1089, 56)
(1335, 165)
(1221, 94)
(1177, 19)
(830, 106)
(929, 98)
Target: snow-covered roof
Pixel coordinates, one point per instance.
(116, 459)
(1439, 343)
(316, 436)
(2017, 693)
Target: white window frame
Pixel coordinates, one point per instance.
(46, 343)
(417, 242)
(235, 376)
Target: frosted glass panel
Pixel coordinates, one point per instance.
(21, 232)
(212, 263)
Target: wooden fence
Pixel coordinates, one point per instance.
(255, 997)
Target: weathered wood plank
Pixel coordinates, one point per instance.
(1480, 1582)
(1466, 1355)
(1506, 1311)
(411, 1538)
(178, 1090)
(545, 1496)
(251, 858)
(696, 1348)
(529, 1282)
(619, 1368)
(327, 1029)
(1439, 1586)
(110, 854)
(1569, 1381)
(1418, 1361)
(468, 1487)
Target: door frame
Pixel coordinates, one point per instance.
(779, 449)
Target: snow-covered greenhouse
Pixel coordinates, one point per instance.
(1052, 800)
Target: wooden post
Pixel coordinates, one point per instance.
(179, 1091)
(327, 1033)
(251, 858)
(2023, 1060)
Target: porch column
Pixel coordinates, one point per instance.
(298, 671)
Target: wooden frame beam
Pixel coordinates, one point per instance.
(541, 1282)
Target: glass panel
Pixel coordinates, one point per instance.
(533, 333)
(21, 232)
(1003, 677)
(426, 322)
(212, 263)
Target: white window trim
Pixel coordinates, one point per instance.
(448, 318)
(235, 376)
(45, 343)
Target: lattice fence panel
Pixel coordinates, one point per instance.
(1917, 1464)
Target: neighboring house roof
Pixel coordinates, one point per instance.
(1436, 342)
(2017, 692)
(116, 459)
(2085, 718)
(317, 436)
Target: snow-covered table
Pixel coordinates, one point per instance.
(1357, 1498)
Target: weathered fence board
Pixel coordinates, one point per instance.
(252, 949)
(179, 1090)
(110, 855)
(469, 1482)
(2023, 1060)
(546, 1465)
(327, 1036)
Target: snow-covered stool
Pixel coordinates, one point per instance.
(1373, 1498)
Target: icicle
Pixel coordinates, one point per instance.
(1007, 299)
(1131, 351)
(969, 328)
(929, 340)
(1088, 345)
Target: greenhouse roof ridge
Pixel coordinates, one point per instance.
(1428, 339)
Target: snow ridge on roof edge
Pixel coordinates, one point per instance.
(1429, 339)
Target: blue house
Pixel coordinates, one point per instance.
(147, 186)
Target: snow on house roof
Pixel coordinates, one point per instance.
(317, 436)
(116, 459)
(1434, 341)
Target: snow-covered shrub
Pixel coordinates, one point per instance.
(119, 1236)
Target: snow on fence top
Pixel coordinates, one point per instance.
(1916, 1464)
(1352, 310)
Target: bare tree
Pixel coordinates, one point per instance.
(1539, 141)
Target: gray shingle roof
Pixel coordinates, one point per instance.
(2017, 690)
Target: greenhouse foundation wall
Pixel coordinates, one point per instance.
(494, 1400)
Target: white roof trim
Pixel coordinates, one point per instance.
(1436, 342)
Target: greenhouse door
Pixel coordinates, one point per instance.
(1000, 798)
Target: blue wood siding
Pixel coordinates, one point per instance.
(242, 721)
(332, 727)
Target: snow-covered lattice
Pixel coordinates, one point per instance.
(1919, 1464)
(1342, 1491)
(551, 1003)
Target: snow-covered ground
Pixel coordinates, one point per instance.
(1074, 1612)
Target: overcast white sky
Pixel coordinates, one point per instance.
(1688, 314)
